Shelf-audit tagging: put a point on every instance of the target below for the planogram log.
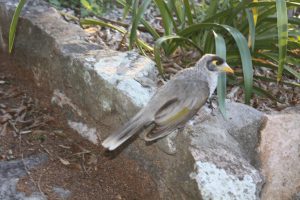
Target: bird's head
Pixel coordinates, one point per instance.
(215, 64)
(210, 66)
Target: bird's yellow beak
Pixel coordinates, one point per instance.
(225, 68)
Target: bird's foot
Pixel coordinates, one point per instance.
(212, 105)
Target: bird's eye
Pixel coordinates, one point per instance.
(214, 63)
(219, 62)
(212, 67)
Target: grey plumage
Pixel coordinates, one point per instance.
(173, 104)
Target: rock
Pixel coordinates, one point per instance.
(87, 80)
(292, 110)
(206, 159)
(61, 192)
(222, 160)
(296, 196)
(107, 85)
(85, 131)
(243, 124)
(11, 171)
(168, 145)
(280, 155)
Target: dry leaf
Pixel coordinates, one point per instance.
(63, 161)
(64, 147)
(4, 118)
(25, 132)
(92, 160)
(18, 110)
(60, 133)
(3, 130)
(40, 132)
(13, 92)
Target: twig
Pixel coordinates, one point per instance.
(25, 132)
(47, 151)
(14, 126)
(34, 125)
(80, 153)
(140, 28)
(69, 16)
(3, 130)
(64, 147)
(83, 166)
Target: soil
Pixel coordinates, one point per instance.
(30, 125)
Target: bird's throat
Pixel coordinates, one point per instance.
(212, 83)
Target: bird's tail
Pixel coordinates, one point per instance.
(134, 126)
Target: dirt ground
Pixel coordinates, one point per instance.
(30, 124)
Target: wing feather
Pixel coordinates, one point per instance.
(180, 102)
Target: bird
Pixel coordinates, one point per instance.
(174, 103)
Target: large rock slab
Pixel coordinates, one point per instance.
(206, 159)
(211, 158)
(280, 156)
(222, 161)
(61, 59)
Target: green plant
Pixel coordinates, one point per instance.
(13, 25)
(246, 31)
(250, 34)
(83, 7)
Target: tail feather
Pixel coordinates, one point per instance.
(131, 128)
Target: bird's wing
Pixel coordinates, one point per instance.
(177, 103)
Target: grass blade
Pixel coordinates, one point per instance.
(13, 25)
(135, 22)
(251, 22)
(292, 71)
(221, 88)
(176, 7)
(273, 57)
(141, 44)
(188, 11)
(179, 11)
(282, 25)
(265, 79)
(246, 60)
(126, 11)
(167, 18)
(150, 29)
(262, 92)
(102, 23)
(213, 7)
(86, 5)
(242, 45)
(255, 13)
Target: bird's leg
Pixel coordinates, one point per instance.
(212, 105)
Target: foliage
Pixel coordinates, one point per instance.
(250, 34)
(228, 23)
(83, 7)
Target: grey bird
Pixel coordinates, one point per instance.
(174, 103)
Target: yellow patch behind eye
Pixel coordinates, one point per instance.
(214, 62)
